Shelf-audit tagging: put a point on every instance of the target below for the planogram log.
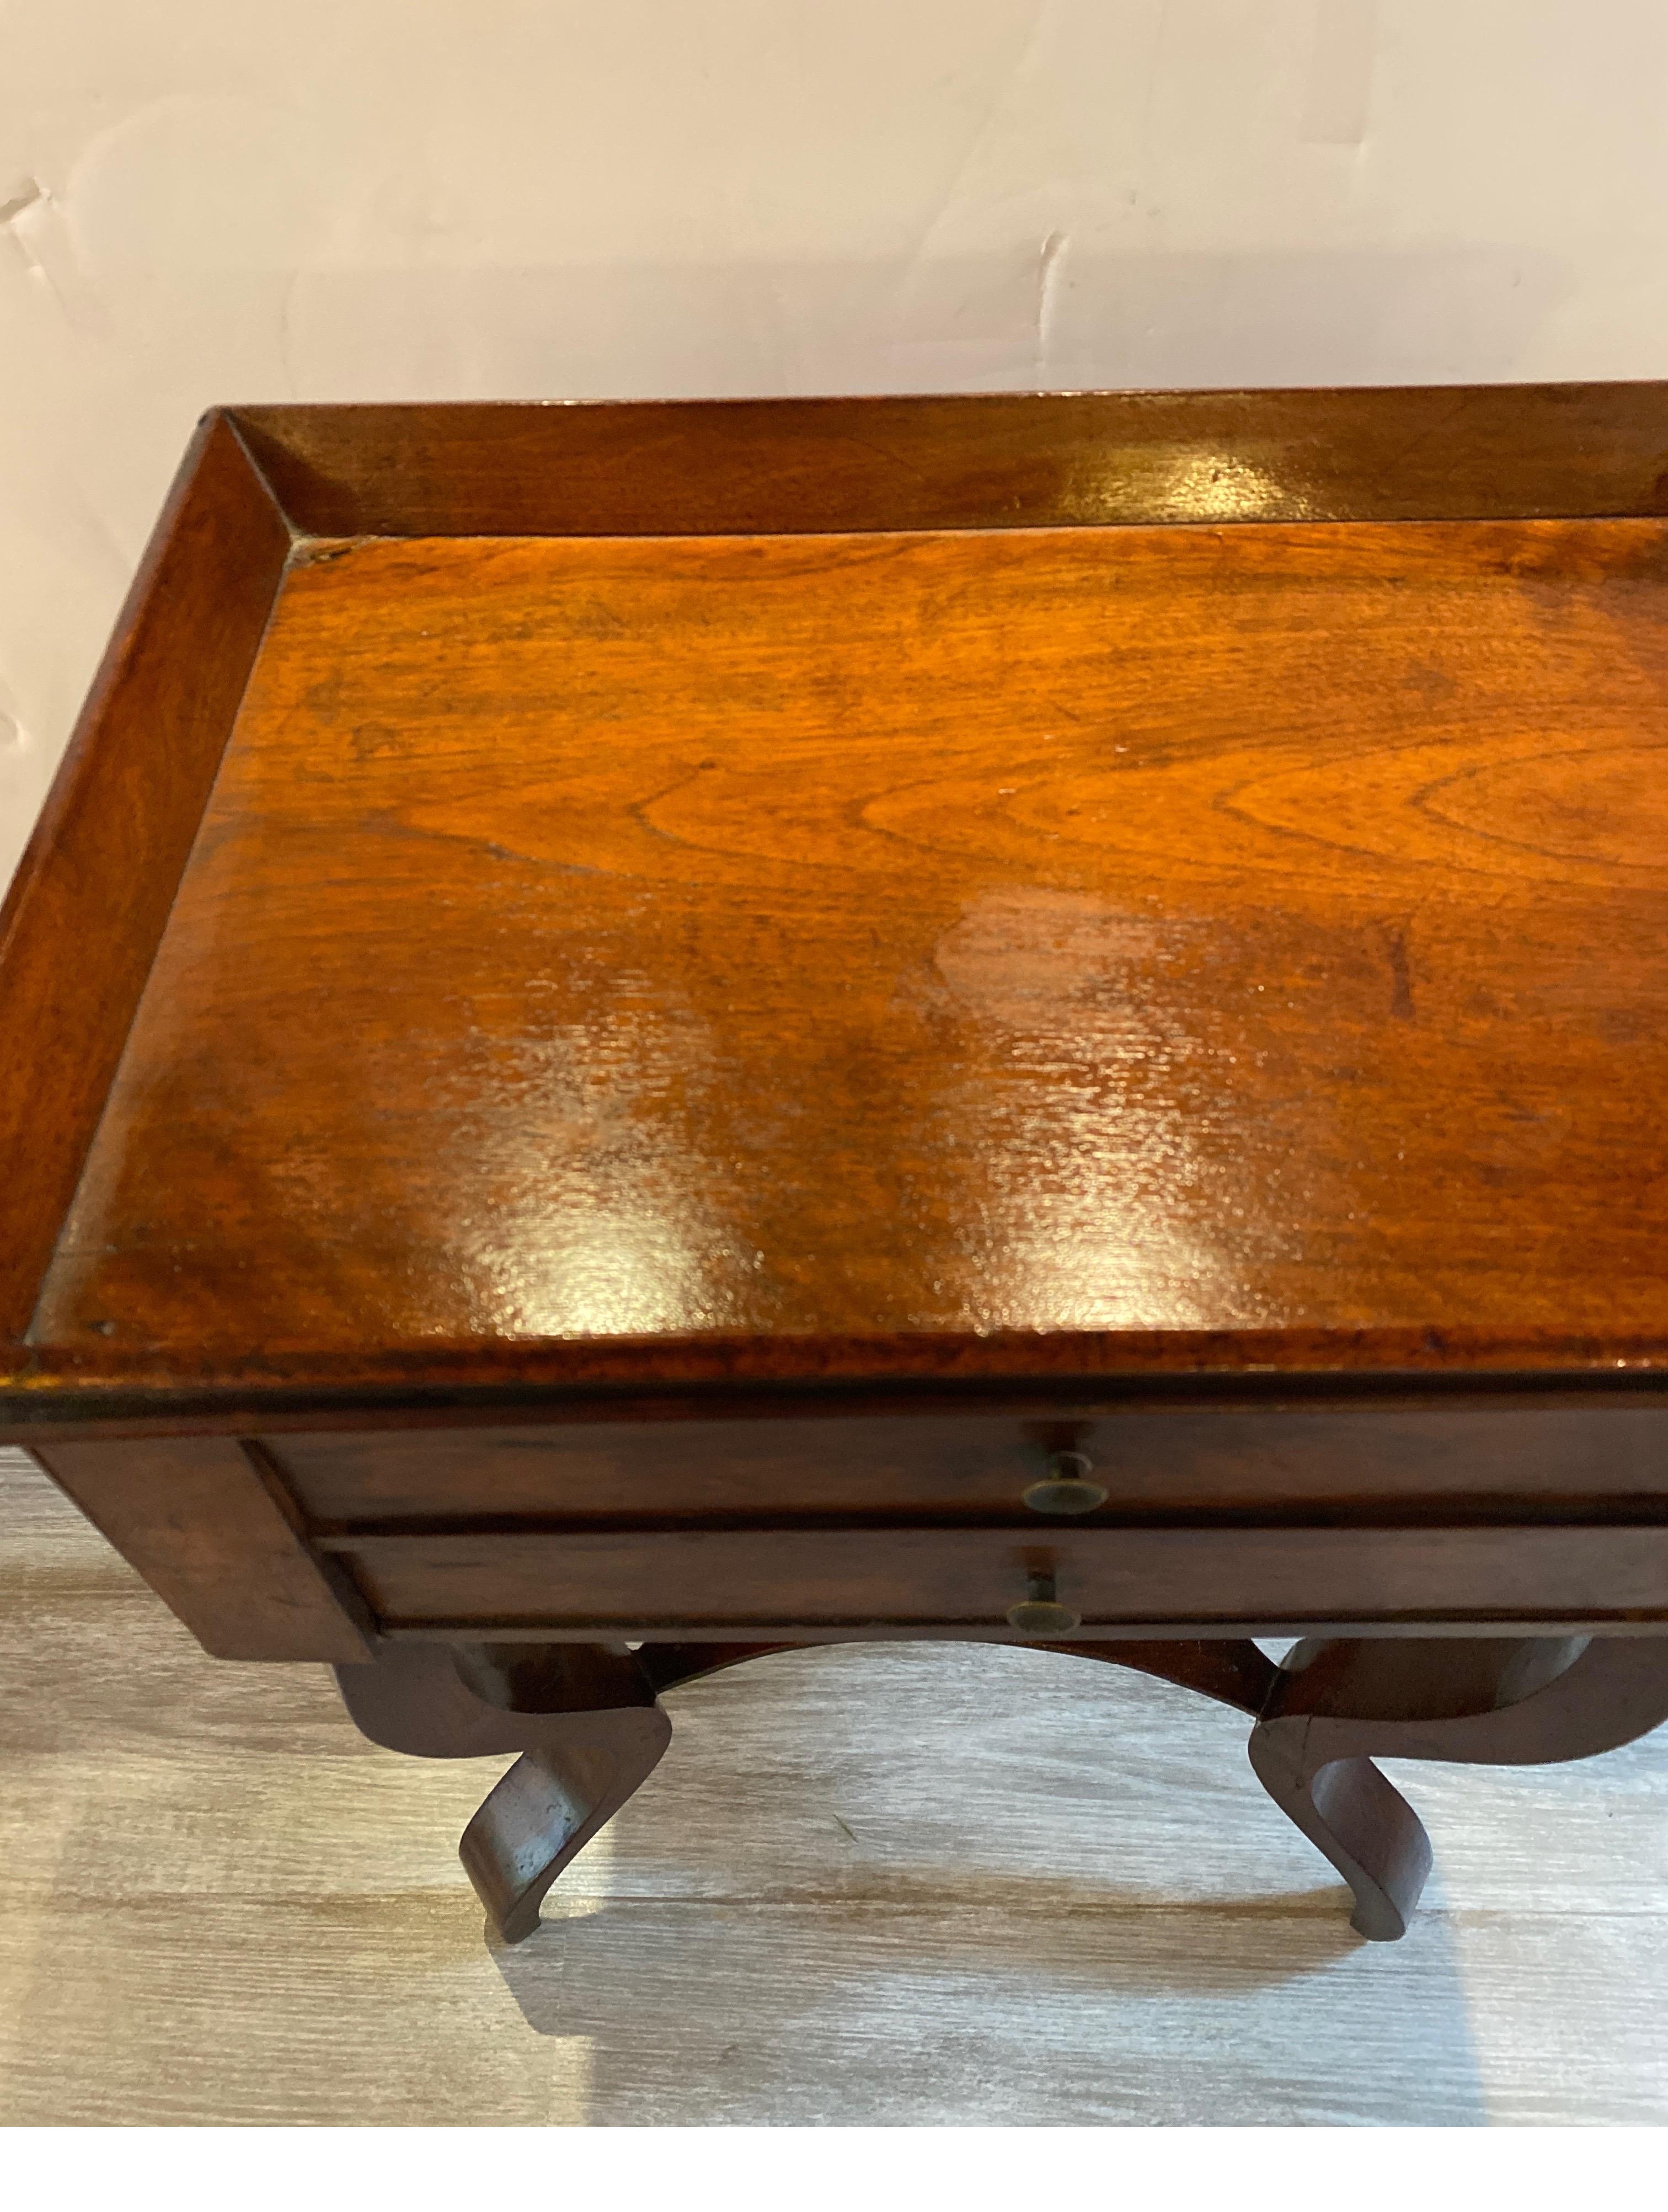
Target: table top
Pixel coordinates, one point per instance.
(1141, 947)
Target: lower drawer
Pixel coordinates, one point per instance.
(648, 1582)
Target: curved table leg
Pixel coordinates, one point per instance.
(1487, 1701)
(550, 1804)
(584, 1718)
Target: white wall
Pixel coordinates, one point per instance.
(398, 198)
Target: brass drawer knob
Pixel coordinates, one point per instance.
(1067, 1487)
(1042, 1613)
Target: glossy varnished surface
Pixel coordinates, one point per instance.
(1145, 935)
(964, 460)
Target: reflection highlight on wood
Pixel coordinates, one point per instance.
(1005, 921)
(1100, 909)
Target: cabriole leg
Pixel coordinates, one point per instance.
(583, 1716)
(1503, 1701)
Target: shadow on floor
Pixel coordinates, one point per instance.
(1077, 1932)
(916, 2001)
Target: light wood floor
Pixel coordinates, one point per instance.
(866, 1885)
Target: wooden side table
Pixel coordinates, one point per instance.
(641, 1033)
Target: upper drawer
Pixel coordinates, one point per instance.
(1474, 1459)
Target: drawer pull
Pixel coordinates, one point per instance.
(1040, 1612)
(1067, 1487)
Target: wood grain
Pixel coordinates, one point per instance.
(87, 907)
(803, 909)
(990, 461)
(964, 1878)
(1176, 944)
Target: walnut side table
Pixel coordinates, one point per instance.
(640, 1034)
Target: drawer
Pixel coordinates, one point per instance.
(1296, 1519)
(651, 1582)
(1370, 1462)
